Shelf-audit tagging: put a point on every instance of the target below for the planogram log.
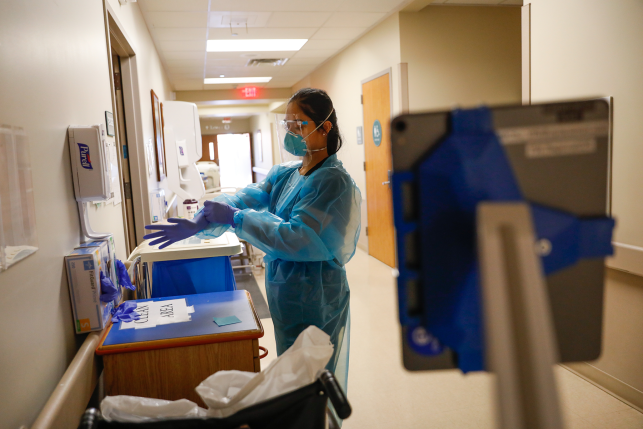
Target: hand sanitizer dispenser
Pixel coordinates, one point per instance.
(183, 148)
(90, 170)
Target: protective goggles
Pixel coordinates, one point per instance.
(293, 125)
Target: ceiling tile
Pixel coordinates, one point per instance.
(177, 19)
(238, 19)
(303, 61)
(370, 5)
(170, 62)
(184, 45)
(180, 55)
(315, 53)
(183, 70)
(326, 44)
(354, 19)
(327, 33)
(298, 19)
(174, 6)
(186, 76)
(262, 33)
(275, 5)
(165, 34)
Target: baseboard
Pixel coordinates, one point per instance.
(612, 385)
(626, 258)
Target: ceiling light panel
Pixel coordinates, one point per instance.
(276, 5)
(297, 19)
(255, 45)
(353, 19)
(326, 33)
(174, 6)
(234, 80)
(180, 34)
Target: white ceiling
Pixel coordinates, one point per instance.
(180, 29)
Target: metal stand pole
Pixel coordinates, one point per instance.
(519, 335)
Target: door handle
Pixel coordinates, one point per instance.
(388, 182)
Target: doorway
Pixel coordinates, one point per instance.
(123, 150)
(376, 100)
(235, 160)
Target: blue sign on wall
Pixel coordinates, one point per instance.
(377, 132)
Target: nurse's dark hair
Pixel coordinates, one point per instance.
(316, 104)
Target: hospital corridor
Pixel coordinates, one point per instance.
(262, 214)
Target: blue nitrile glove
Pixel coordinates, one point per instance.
(217, 212)
(182, 229)
(123, 276)
(125, 312)
(108, 291)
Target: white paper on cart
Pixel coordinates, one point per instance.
(155, 313)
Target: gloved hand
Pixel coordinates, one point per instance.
(108, 291)
(217, 212)
(125, 312)
(123, 276)
(182, 229)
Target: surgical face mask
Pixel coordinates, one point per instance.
(296, 143)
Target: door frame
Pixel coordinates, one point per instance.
(123, 46)
(381, 73)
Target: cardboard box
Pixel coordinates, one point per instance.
(83, 273)
(108, 256)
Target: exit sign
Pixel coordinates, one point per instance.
(249, 92)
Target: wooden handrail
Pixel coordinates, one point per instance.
(69, 400)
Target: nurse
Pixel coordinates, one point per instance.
(306, 217)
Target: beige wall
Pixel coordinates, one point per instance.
(582, 48)
(461, 56)
(341, 77)
(53, 73)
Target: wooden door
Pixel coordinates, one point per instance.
(377, 147)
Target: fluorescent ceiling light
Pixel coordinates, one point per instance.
(215, 80)
(250, 45)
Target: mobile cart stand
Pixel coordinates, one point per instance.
(520, 343)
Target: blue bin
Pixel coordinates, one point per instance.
(190, 276)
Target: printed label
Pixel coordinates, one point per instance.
(85, 160)
(181, 150)
(83, 325)
(560, 148)
(88, 265)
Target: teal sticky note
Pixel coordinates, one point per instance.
(223, 321)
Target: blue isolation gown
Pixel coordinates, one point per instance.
(308, 226)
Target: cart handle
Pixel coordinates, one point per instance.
(265, 352)
(336, 394)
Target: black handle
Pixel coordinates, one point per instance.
(90, 419)
(336, 394)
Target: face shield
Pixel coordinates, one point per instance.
(292, 134)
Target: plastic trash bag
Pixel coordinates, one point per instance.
(134, 409)
(227, 392)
